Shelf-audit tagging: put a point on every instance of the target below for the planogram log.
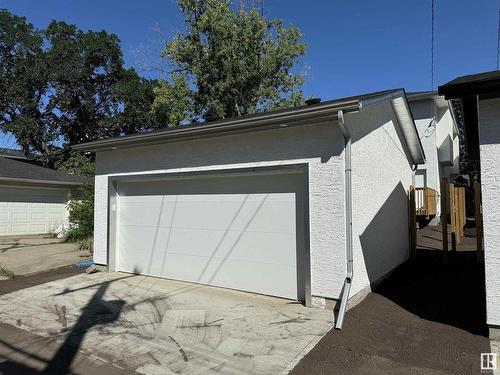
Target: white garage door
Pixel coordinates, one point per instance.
(241, 232)
(31, 211)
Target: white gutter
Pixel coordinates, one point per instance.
(348, 218)
(303, 115)
(46, 182)
(406, 123)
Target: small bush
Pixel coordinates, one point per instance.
(81, 208)
(4, 271)
(87, 244)
(81, 216)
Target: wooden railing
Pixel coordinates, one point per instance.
(425, 201)
(457, 211)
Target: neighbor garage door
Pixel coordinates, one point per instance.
(243, 232)
(31, 210)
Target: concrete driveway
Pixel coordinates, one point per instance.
(29, 254)
(157, 326)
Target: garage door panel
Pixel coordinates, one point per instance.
(263, 247)
(50, 216)
(19, 216)
(201, 243)
(146, 214)
(38, 228)
(215, 198)
(283, 283)
(218, 272)
(267, 216)
(134, 260)
(143, 238)
(252, 246)
(263, 214)
(240, 237)
(19, 228)
(37, 216)
(53, 223)
(210, 214)
(20, 205)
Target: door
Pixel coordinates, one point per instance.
(31, 210)
(243, 232)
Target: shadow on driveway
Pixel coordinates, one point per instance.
(97, 312)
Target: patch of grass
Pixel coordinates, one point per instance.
(50, 234)
(86, 244)
(4, 271)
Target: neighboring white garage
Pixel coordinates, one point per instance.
(262, 203)
(32, 198)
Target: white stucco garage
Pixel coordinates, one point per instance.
(263, 203)
(32, 198)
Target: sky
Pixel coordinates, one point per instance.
(353, 47)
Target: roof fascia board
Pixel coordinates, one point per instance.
(469, 89)
(418, 156)
(35, 181)
(375, 100)
(318, 113)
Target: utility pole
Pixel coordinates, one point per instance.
(432, 45)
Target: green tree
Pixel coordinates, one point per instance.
(232, 62)
(61, 86)
(172, 104)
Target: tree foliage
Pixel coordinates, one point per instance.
(61, 86)
(172, 103)
(231, 62)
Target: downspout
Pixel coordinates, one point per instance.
(348, 218)
(413, 172)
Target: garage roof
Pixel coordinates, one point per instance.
(18, 171)
(469, 89)
(301, 115)
(426, 95)
(486, 83)
(12, 153)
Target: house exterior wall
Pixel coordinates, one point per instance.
(320, 147)
(446, 130)
(435, 125)
(381, 176)
(489, 139)
(423, 113)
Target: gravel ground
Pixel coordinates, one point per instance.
(427, 318)
(22, 282)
